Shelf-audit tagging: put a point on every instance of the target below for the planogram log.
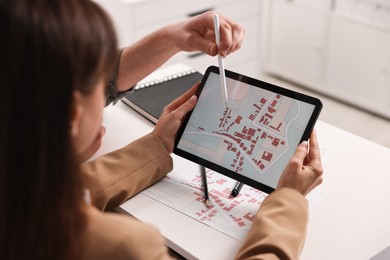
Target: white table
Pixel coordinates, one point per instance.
(351, 222)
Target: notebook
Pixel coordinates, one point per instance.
(160, 88)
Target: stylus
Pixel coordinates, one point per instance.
(237, 189)
(220, 60)
(206, 190)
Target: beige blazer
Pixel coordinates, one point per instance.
(278, 230)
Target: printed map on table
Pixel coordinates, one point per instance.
(183, 191)
(254, 135)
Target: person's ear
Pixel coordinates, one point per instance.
(77, 111)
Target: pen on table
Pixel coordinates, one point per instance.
(236, 189)
(206, 191)
(220, 60)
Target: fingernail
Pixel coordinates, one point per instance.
(304, 143)
(193, 98)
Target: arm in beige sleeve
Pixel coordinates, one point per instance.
(115, 177)
(279, 227)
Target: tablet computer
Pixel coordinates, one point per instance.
(252, 137)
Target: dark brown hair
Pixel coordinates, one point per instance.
(48, 50)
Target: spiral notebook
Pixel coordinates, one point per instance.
(160, 88)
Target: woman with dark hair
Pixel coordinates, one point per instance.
(56, 60)
(57, 54)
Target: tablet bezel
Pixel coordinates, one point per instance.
(256, 83)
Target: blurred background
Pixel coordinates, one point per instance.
(336, 50)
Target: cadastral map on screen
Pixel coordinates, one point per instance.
(255, 135)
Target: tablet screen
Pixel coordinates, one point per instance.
(253, 136)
